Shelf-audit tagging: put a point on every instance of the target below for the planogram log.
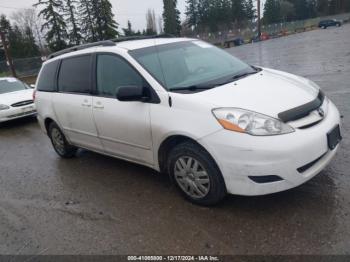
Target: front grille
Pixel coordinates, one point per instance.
(23, 103)
(310, 125)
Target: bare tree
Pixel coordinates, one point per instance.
(160, 24)
(29, 18)
(151, 22)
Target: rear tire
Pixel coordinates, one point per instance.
(60, 143)
(196, 174)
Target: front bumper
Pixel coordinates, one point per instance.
(17, 112)
(241, 156)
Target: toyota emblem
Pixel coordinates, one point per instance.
(320, 112)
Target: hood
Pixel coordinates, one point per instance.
(269, 92)
(15, 97)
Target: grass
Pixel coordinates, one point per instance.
(3, 74)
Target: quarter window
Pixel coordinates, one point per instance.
(114, 72)
(74, 76)
(47, 77)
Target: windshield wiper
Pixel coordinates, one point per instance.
(194, 88)
(244, 75)
(191, 88)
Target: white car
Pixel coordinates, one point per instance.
(16, 99)
(215, 124)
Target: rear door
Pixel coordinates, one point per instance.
(73, 102)
(124, 127)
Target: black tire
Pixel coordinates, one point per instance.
(217, 188)
(64, 150)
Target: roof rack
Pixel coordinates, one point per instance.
(141, 37)
(111, 42)
(82, 47)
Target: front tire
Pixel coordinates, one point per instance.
(59, 142)
(196, 174)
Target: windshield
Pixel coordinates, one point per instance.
(190, 64)
(9, 85)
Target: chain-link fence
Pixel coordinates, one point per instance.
(24, 66)
(237, 36)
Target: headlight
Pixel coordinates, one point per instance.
(244, 121)
(4, 107)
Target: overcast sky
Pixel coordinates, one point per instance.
(134, 10)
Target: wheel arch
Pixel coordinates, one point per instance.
(47, 123)
(169, 143)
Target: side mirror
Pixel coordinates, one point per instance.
(131, 93)
(32, 86)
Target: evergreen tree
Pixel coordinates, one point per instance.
(287, 11)
(312, 8)
(238, 11)
(70, 11)
(249, 10)
(128, 31)
(30, 47)
(54, 23)
(105, 25)
(171, 16)
(272, 11)
(87, 21)
(5, 25)
(204, 12)
(21, 44)
(347, 6)
(323, 7)
(109, 25)
(301, 9)
(192, 12)
(16, 42)
(337, 6)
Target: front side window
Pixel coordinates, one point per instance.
(8, 85)
(190, 64)
(114, 72)
(74, 75)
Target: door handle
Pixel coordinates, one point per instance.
(98, 105)
(86, 103)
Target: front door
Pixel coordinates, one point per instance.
(123, 127)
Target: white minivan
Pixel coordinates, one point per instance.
(183, 107)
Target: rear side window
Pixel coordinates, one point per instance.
(47, 81)
(74, 76)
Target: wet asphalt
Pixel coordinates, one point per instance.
(94, 204)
